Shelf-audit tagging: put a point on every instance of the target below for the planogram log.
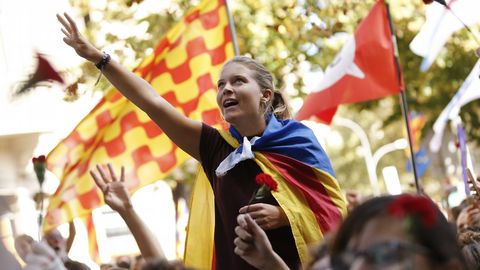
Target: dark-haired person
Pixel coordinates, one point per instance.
(396, 232)
(261, 138)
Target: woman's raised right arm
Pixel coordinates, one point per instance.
(182, 130)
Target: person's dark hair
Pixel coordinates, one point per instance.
(471, 254)
(469, 236)
(162, 264)
(74, 265)
(457, 209)
(277, 104)
(320, 251)
(439, 238)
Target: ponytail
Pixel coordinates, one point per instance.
(279, 107)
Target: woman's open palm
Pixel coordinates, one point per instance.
(75, 40)
(114, 190)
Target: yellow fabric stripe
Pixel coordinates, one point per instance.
(304, 225)
(331, 186)
(201, 225)
(305, 228)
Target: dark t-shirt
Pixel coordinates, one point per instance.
(232, 192)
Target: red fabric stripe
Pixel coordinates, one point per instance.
(304, 178)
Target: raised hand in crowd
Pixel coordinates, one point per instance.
(117, 197)
(267, 216)
(75, 40)
(58, 243)
(253, 246)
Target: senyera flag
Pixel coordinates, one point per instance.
(183, 69)
(363, 70)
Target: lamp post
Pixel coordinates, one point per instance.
(371, 160)
(367, 150)
(399, 144)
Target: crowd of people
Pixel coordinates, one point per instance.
(303, 221)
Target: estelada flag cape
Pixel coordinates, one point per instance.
(310, 197)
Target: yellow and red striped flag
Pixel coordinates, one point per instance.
(183, 69)
(92, 237)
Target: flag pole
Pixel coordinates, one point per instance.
(404, 100)
(231, 25)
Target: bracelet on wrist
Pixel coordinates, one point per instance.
(101, 65)
(105, 60)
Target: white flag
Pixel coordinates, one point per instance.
(470, 90)
(440, 24)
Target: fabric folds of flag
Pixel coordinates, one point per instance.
(439, 26)
(183, 68)
(469, 91)
(363, 70)
(92, 237)
(310, 197)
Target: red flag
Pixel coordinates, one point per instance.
(363, 70)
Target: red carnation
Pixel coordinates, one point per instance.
(39, 168)
(414, 206)
(267, 184)
(267, 180)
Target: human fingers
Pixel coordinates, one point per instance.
(241, 220)
(73, 25)
(65, 32)
(256, 214)
(103, 174)
(251, 208)
(112, 173)
(64, 23)
(243, 234)
(98, 181)
(238, 242)
(254, 227)
(239, 251)
(122, 174)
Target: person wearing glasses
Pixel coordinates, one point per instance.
(396, 232)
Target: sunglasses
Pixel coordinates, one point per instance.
(381, 256)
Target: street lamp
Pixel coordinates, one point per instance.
(399, 144)
(367, 150)
(371, 160)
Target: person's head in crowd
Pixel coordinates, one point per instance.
(23, 245)
(471, 254)
(469, 242)
(320, 254)
(74, 265)
(106, 266)
(138, 262)
(57, 242)
(469, 217)
(162, 264)
(354, 199)
(123, 261)
(469, 236)
(405, 231)
(254, 106)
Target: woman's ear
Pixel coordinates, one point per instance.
(267, 95)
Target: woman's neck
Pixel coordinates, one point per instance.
(251, 128)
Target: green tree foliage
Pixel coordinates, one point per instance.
(293, 38)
